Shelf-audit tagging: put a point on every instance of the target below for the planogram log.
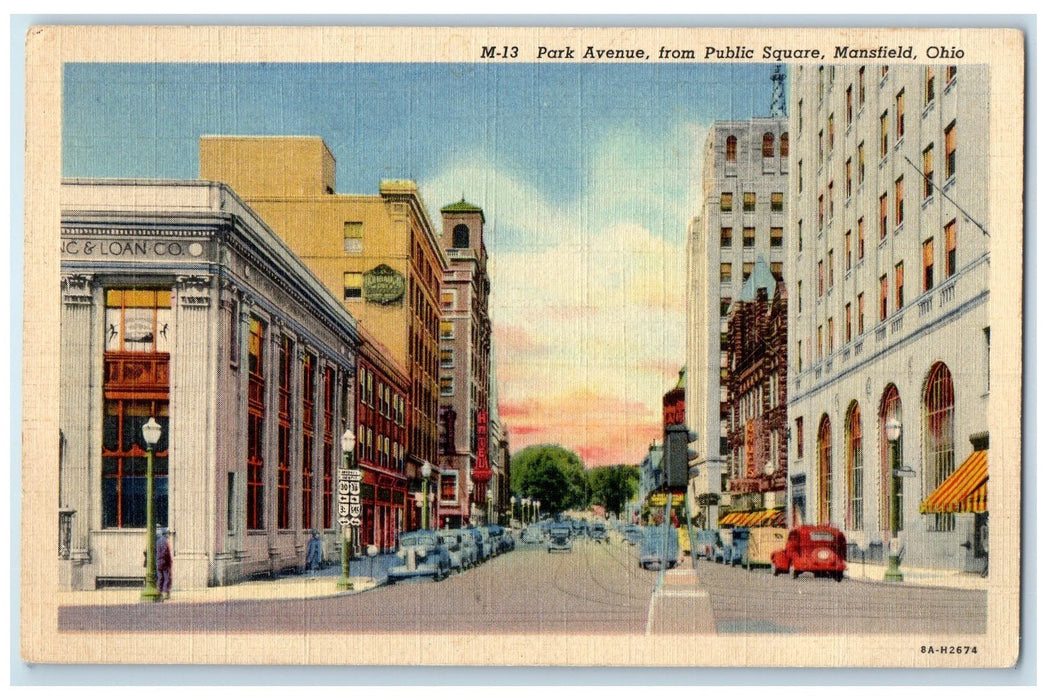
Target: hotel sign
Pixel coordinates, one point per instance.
(384, 285)
(350, 505)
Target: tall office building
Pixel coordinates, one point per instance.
(744, 184)
(888, 278)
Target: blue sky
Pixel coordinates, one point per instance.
(588, 175)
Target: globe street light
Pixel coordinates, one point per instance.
(526, 510)
(348, 459)
(537, 510)
(427, 471)
(893, 433)
(512, 509)
(151, 434)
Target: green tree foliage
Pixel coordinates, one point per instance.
(612, 487)
(551, 474)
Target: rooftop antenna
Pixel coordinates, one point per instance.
(778, 92)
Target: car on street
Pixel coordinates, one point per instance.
(422, 554)
(532, 535)
(707, 544)
(819, 549)
(632, 534)
(660, 547)
(598, 532)
(559, 538)
(501, 538)
(461, 546)
(484, 546)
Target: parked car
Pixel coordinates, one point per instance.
(502, 538)
(632, 534)
(532, 535)
(707, 544)
(660, 547)
(461, 545)
(577, 527)
(598, 532)
(484, 549)
(819, 549)
(422, 554)
(559, 538)
(739, 547)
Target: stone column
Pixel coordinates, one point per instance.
(80, 366)
(191, 479)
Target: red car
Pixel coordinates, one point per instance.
(820, 549)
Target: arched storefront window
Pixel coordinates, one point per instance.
(768, 145)
(890, 407)
(825, 472)
(732, 149)
(938, 447)
(855, 504)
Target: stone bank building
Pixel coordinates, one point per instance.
(180, 304)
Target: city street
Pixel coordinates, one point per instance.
(592, 588)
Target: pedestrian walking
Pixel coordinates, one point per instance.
(164, 561)
(314, 553)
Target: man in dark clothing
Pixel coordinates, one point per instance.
(164, 559)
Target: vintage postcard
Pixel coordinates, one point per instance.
(523, 346)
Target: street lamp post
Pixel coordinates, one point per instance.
(348, 457)
(427, 471)
(526, 510)
(512, 509)
(151, 433)
(537, 510)
(893, 432)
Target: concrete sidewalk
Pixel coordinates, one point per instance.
(363, 573)
(918, 577)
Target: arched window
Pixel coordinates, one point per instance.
(461, 236)
(890, 407)
(783, 144)
(768, 145)
(732, 149)
(855, 506)
(825, 472)
(938, 448)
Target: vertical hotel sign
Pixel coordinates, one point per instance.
(483, 468)
(350, 506)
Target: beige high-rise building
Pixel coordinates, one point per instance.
(378, 253)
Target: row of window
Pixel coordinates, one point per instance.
(775, 238)
(382, 397)
(777, 201)
(767, 146)
(747, 269)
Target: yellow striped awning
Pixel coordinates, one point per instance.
(774, 517)
(966, 489)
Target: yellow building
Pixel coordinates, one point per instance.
(379, 253)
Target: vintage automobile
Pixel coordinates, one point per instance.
(532, 535)
(422, 554)
(559, 538)
(484, 546)
(819, 549)
(707, 544)
(632, 534)
(501, 538)
(598, 532)
(461, 546)
(660, 547)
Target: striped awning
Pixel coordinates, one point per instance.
(966, 489)
(774, 517)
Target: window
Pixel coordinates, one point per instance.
(821, 82)
(832, 132)
(950, 150)
(124, 461)
(799, 116)
(328, 456)
(831, 207)
(847, 179)
(460, 236)
(899, 111)
(447, 299)
(821, 147)
(861, 238)
(831, 270)
(938, 446)
(861, 86)
(861, 313)
(353, 237)
(448, 487)
(799, 236)
(777, 201)
(821, 212)
(883, 297)
(799, 297)
(928, 171)
(928, 85)
(783, 144)
(731, 149)
(308, 406)
(725, 237)
(883, 134)
(726, 201)
(899, 201)
(446, 357)
(777, 236)
(446, 330)
(847, 251)
(799, 437)
(799, 368)
(825, 512)
(137, 320)
(830, 335)
(353, 283)
(725, 306)
(847, 323)
(768, 145)
(861, 162)
(883, 216)
(776, 271)
(821, 278)
(899, 285)
(748, 237)
(950, 75)
(283, 433)
(854, 519)
(950, 248)
(799, 176)
(725, 273)
(928, 264)
(818, 349)
(747, 270)
(850, 104)
(255, 426)
(748, 201)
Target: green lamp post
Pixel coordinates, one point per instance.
(348, 459)
(151, 433)
(893, 433)
(427, 471)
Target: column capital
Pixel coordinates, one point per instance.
(76, 289)
(194, 290)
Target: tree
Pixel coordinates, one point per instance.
(612, 487)
(551, 474)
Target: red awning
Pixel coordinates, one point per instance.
(965, 490)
